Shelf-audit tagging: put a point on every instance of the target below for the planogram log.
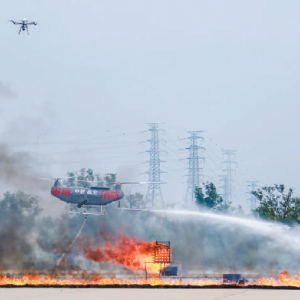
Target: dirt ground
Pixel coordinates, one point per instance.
(145, 294)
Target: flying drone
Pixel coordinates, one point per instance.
(24, 24)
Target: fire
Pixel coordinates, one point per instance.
(37, 280)
(130, 252)
(284, 279)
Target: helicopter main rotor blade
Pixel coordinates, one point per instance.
(112, 183)
(89, 181)
(139, 182)
(57, 178)
(72, 177)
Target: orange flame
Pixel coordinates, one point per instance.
(37, 280)
(128, 252)
(284, 279)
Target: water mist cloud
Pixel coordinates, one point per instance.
(224, 243)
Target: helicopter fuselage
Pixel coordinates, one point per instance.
(87, 196)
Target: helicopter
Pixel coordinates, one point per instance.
(90, 199)
(24, 24)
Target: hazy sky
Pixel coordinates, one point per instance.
(101, 70)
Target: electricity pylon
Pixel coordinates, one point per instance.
(252, 186)
(195, 162)
(228, 171)
(154, 197)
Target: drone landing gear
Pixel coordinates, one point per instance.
(20, 30)
(27, 31)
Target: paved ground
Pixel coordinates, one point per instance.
(146, 294)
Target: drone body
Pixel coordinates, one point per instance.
(24, 25)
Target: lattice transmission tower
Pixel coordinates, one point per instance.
(228, 172)
(154, 197)
(252, 186)
(195, 166)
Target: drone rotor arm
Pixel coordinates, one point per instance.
(14, 22)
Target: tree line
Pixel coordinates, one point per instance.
(276, 203)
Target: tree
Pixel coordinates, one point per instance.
(135, 200)
(19, 205)
(209, 198)
(275, 203)
(110, 179)
(71, 180)
(82, 177)
(18, 216)
(87, 178)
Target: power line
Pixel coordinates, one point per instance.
(194, 167)
(70, 141)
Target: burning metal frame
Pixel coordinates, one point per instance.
(162, 263)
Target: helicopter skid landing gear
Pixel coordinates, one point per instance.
(94, 210)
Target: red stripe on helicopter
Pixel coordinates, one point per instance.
(110, 195)
(66, 192)
(63, 192)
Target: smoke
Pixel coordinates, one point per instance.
(19, 172)
(18, 220)
(70, 246)
(17, 169)
(22, 162)
(205, 242)
(218, 243)
(30, 241)
(202, 242)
